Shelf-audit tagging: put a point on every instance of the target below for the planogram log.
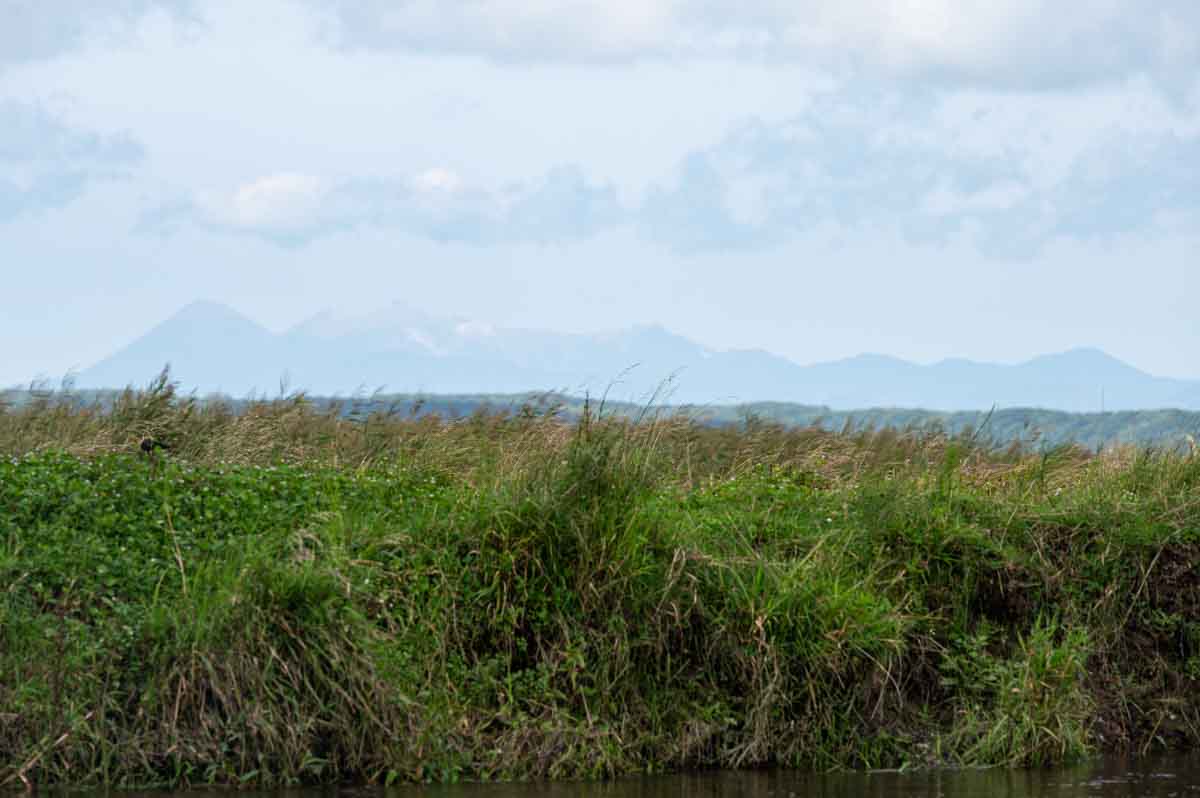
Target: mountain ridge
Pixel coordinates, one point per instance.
(212, 347)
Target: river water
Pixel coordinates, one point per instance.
(1110, 777)
(1107, 777)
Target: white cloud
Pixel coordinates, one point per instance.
(280, 199)
(437, 180)
(1028, 43)
(293, 208)
(279, 204)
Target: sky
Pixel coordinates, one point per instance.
(990, 179)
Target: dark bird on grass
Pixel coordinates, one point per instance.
(150, 444)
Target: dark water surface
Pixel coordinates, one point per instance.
(1110, 777)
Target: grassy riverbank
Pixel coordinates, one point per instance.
(291, 596)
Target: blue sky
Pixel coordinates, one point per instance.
(922, 178)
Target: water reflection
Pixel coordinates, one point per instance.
(1109, 777)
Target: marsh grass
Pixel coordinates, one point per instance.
(293, 595)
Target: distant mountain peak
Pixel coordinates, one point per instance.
(322, 324)
(958, 364)
(206, 313)
(1087, 357)
(205, 307)
(1080, 352)
(874, 359)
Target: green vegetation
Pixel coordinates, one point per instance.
(293, 595)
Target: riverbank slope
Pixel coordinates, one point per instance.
(290, 596)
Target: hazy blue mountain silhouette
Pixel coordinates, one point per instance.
(212, 348)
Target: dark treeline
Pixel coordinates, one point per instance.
(1031, 427)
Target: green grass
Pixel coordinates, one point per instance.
(290, 596)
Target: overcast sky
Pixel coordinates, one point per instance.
(991, 179)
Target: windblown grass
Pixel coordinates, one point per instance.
(290, 596)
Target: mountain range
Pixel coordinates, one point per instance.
(212, 348)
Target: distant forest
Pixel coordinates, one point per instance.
(1032, 427)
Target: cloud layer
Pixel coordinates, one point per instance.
(45, 163)
(864, 162)
(1015, 43)
(1027, 43)
(933, 172)
(36, 29)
